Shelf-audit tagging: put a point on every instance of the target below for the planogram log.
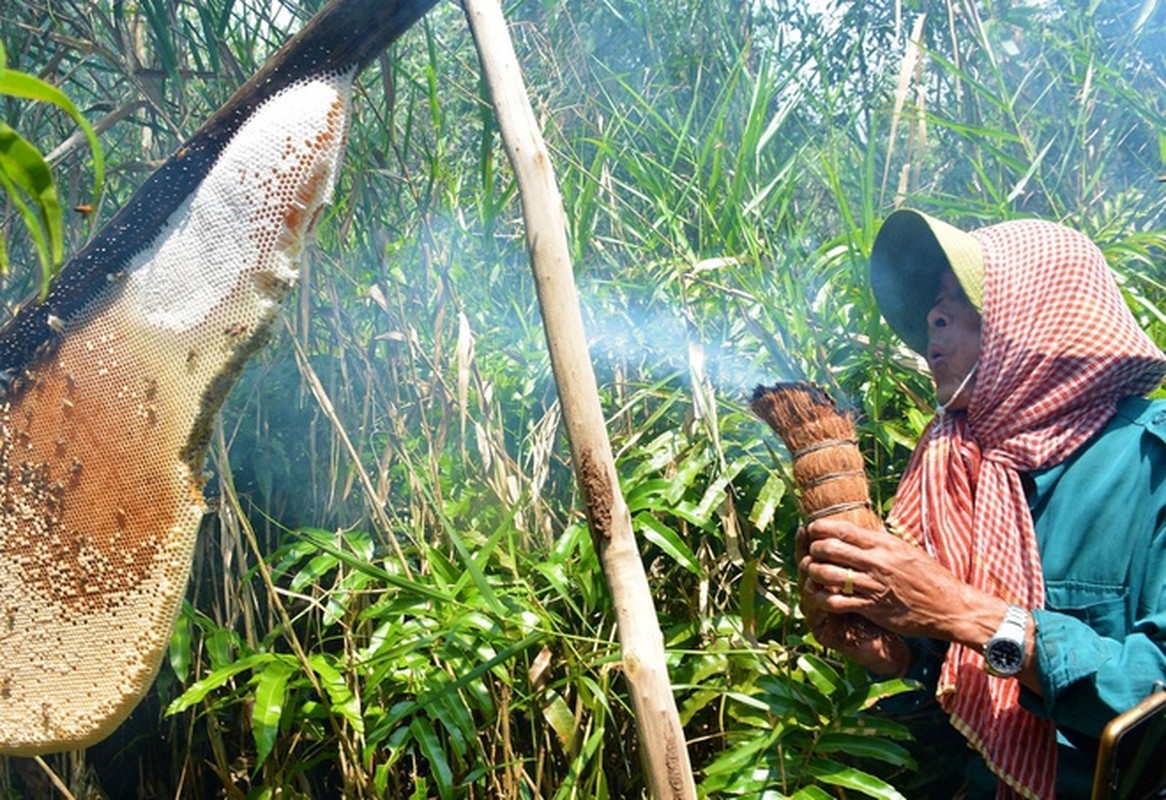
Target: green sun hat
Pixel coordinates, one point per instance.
(909, 255)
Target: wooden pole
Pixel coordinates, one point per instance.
(662, 745)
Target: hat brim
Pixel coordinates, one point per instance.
(909, 255)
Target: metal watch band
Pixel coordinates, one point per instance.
(1016, 617)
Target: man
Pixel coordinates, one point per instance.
(1026, 584)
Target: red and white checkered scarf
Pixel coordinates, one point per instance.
(1058, 350)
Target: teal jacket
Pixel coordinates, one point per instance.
(1100, 520)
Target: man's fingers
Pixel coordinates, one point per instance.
(835, 578)
(801, 543)
(833, 529)
(837, 552)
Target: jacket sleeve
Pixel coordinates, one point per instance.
(1087, 678)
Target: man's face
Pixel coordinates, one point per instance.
(953, 342)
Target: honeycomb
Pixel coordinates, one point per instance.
(102, 446)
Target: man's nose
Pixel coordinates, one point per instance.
(936, 318)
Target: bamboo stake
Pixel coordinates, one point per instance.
(662, 745)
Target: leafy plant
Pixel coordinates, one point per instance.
(24, 173)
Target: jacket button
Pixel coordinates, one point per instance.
(1159, 418)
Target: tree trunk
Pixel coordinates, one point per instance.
(662, 745)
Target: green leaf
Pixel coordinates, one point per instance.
(578, 770)
(340, 695)
(687, 471)
(179, 650)
(786, 697)
(23, 168)
(270, 694)
(449, 709)
(315, 569)
(768, 499)
(824, 677)
(688, 511)
(867, 695)
(200, 689)
(865, 747)
(380, 780)
(649, 495)
(562, 721)
(18, 84)
(220, 644)
(870, 725)
(836, 774)
(434, 753)
(667, 540)
(33, 222)
(474, 570)
(324, 541)
(811, 793)
(714, 495)
(741, 756)
(748, 597)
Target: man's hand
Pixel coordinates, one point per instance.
(882, 652)
(892, 583)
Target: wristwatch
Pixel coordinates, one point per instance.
(1004, 653)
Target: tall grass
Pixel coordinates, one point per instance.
(396, 594)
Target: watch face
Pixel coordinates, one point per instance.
(1004, 656)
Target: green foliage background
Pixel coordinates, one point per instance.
(396, 594)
